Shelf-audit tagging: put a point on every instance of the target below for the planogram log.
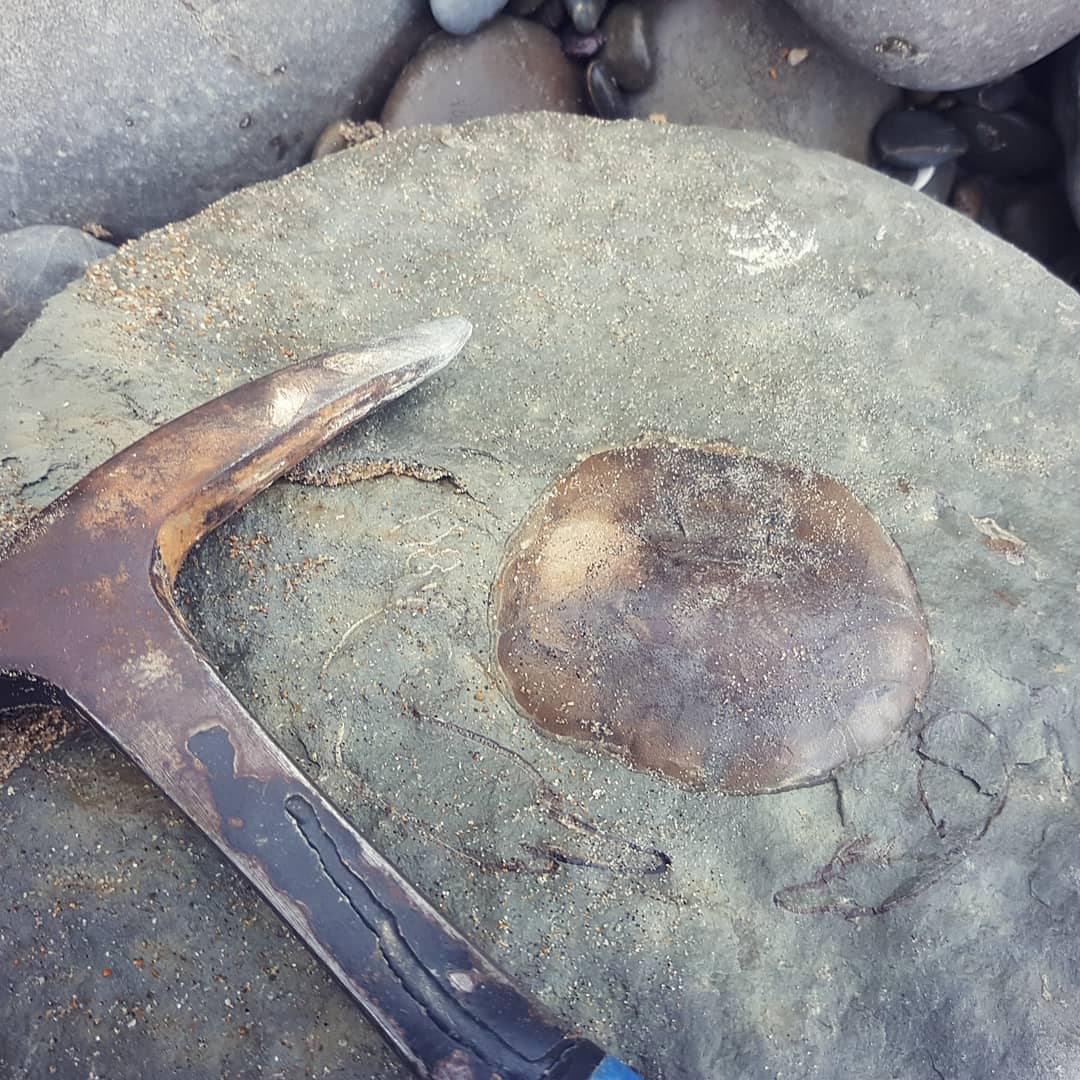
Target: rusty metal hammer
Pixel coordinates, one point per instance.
(88, 621)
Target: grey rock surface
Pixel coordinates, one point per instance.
(723, 64)
(911, 920)
(130, 115)
(930, 45)
(36, 263)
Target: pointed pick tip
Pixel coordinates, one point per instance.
(425, 348)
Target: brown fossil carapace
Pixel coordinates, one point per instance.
(731, 622)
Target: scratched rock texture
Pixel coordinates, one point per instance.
(130, 115)
(916, 918)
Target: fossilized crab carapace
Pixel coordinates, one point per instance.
(728, 621)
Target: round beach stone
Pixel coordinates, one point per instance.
(607, 100)
(465, 16)
(585, 14)
(930, 45)
(1004, 144)
(628, 52)
(131, 115)
(723, 65)
(510, 65)
(916, 138)
(1008, 93)
(626, 281)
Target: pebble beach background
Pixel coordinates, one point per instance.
(119, 119)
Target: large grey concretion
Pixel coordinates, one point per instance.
(623, 280)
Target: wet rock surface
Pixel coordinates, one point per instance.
(724, 65)
(36, 263)
(929, 45)
(131, 116)
(511, 65)
(910, 920)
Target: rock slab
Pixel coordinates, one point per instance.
(913, 919)
(130, 115)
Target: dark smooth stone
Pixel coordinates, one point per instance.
(912, 138)
(1040, 222)
(1068, 269)
(511, 65)
(996, 96)
(551, 13)
(36, 263)
(1005, 144)
(607, 99)
(581, 46)
(465, 16)
(628, 54)
(585, 14)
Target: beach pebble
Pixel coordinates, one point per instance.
(465, 16)
(996, 96)
(605, 96)
(932, 45)
(913, 138)
(36, 263)
(551, 13)
(1039, 221)
(1004, 144)
(628, 54)
(511, 65)
(585, 14)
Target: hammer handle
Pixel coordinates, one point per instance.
(448, 1010)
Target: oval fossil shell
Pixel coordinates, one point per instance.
(728, 621)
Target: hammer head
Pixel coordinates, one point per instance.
(86, 608)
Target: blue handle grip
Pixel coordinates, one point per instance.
(610, 1069)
